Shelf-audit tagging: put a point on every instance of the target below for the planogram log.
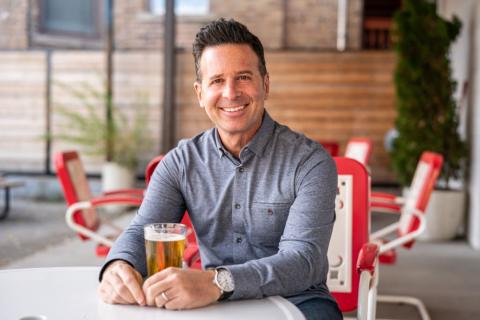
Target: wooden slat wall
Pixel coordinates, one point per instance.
(23, 106)
(22, 110)
(136, 74)
(326, 96)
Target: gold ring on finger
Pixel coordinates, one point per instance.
(164, 296)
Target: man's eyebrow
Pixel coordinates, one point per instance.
(245, 71)
(218, 75)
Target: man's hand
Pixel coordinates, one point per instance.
(121, 284)
(176, 289)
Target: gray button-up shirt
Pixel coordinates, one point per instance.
(267, 216)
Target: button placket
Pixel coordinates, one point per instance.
(239, 205)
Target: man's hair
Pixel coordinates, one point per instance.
(222, 31)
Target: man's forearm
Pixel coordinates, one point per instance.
(290, 271)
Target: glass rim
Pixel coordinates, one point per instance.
(166, 225)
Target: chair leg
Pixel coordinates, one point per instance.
(406, 300)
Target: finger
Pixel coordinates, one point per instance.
(175, 303)
(165, 297)
(159, 276)
(120, 290)
(160, 301)
(132, 282)
(108, 295)
(154, 290)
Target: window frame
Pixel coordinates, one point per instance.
(42, 36)
(149, 9)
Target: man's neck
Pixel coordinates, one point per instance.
(234, 143)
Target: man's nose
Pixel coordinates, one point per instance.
(230, 90)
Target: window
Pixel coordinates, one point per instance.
(182, 7)
(70, 17)
(68, 24)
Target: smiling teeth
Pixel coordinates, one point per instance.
(234, 109)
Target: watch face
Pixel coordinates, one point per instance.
(225, 280)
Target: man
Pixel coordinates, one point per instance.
(260, 196)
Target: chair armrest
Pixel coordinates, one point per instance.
(386, 197)
(383, 207)
(102, 201)
(367, 268)
(407, 237)
(384, 231)
(96, 202)
(386, 202)
(367, 258)
(126, 192)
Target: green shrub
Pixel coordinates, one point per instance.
(427, 113)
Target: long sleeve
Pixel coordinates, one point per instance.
(163, 202)
(301, 261)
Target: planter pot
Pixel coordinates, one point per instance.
(444, 215)
(114, 177)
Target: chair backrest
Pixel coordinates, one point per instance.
(330, 146)
(350, 232)
(423, 182)
(151, 168)
(73, 180)
(191, 237)
(359, 149)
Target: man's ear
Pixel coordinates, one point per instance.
(197, 86)
(266, 85)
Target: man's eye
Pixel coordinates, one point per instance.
(244, 77)
(216, 81)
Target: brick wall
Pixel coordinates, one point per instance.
(310, 24)
(13, 24)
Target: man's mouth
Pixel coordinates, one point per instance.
(234, 109)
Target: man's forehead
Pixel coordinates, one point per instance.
(228, 57)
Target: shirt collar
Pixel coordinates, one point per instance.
(259, 141)
(263, 135)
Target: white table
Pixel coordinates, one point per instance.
(70, 293)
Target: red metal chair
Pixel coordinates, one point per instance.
(353, 270)
(191, 254)
(359, 149)
(331, 147)
(411, 222)
(81, 215)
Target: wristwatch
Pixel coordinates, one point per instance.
(224, 281)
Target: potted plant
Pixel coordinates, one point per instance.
(426, 110)
(88, 128)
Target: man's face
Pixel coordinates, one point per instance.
(232, 91)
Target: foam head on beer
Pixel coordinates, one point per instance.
(164, 245)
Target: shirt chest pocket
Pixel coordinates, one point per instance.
(267, 222)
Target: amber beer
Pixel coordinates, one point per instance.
(164, 245)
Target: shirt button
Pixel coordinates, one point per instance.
(239, 240)
(237, 206)
(241, 169)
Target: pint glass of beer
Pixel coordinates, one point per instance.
(164, 244)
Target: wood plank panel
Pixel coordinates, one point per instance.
(325, 95)
(22, 110)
